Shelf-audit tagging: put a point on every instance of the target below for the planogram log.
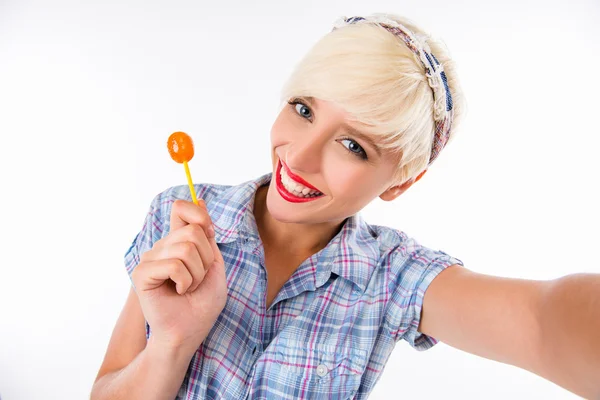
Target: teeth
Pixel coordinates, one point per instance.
(296, 188)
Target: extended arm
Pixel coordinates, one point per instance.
(551, 328)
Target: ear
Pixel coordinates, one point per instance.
(397, 190)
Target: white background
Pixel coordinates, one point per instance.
(89, 93)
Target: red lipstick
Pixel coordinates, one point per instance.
(297, 178)
(284, 192)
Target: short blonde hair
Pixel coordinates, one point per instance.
(374, 77)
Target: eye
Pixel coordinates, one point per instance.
(354, 148)
(302, 109)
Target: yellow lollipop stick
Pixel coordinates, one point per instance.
(190, 184)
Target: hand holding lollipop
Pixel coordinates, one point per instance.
(181, 282)
(181, 149)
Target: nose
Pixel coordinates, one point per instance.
(305, 154)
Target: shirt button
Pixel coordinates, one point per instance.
(321, 370)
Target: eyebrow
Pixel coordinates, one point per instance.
(351, 130)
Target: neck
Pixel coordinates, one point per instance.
(299, 239)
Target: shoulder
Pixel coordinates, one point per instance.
(206, 191)
(403, 255)
(408, 267)
(157, 221)
(225, 203)
(163, 201)
(159, 212)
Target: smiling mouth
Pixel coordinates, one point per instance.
(293, 188)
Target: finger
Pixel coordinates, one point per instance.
(150, 275)
(185, 212)
(214, 277)
(188, 253)
(188, 244)
(216, 252)
(214, 285)
(190, 233)
(194, 233)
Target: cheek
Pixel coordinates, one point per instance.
(352, 180)
(344, 177)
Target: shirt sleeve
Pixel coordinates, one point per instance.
(413, 272)
(151, 231)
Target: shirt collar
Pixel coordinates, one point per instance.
(232, 211)
(352, 254)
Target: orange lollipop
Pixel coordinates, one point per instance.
(181, 149)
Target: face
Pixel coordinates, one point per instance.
(324, 169)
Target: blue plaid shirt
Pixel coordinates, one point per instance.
(333, 325)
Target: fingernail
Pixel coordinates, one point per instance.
(211, 231)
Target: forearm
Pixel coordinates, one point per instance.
(570, 329)
(155, 374)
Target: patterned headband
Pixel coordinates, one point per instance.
(436, 77)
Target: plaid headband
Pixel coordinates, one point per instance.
(436, 77)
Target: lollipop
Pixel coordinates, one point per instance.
(181, 149)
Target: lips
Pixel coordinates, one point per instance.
(285, 194)
(297, 178)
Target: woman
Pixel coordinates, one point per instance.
(276, 288)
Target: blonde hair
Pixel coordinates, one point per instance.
(374, 77)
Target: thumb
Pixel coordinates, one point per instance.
(215, 279)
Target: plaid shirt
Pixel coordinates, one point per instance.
(332, 326)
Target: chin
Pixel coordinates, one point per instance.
(275, 209)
